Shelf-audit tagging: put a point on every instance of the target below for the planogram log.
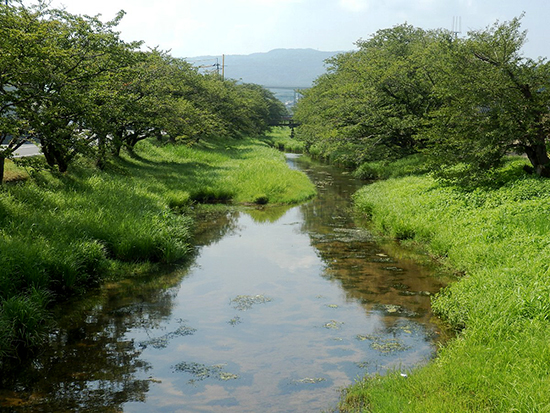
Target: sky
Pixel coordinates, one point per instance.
(191, 28)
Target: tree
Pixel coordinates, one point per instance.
(19, 37)
(372, 103)
(60, 58)
(496, 102)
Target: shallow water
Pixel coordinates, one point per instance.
(280, 310)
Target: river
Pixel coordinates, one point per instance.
(280, 309)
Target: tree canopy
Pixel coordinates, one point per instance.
(463, 102)
(70, 84)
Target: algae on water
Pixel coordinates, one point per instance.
(202, 371)
(334, 325)
(245, 302)
(164, 340)
(309, 380)
(235, 320)
(384, 345)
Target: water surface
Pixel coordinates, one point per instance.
(281, 309)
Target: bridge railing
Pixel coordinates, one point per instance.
(285, 121)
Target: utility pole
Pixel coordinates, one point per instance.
(457, 25)
(223, 65)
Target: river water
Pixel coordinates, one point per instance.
(280, 309)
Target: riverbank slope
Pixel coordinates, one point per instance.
(62, 234)
(497, 237)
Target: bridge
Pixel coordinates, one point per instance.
(285, 121)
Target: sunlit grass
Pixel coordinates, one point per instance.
(411, 165)
(282, 139)
(498, 238)
(13, 172)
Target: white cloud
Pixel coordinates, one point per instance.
(355, 5)
(194, 28)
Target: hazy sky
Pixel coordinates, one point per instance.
(213, 27)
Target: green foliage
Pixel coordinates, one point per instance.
(464, 103)
(372, 103)
(23, 322)
(410, 165)
(281, 138)
(496, 103)
(497, 236)
(72, 85)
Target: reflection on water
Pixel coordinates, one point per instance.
(281, 308)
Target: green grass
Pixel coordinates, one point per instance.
(498, 237)
(280, 138)
(12, 172)
(411, 165)
(63, 234)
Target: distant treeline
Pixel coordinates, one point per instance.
(69, 83)
(462, 102)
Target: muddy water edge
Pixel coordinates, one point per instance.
(281, 308)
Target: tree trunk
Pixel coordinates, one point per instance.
(538, 156)
(47, 150)
(102, 152)
(118, 141)
(2, 163)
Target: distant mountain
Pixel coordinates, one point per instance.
(279, 68)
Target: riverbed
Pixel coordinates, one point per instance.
(280, 309)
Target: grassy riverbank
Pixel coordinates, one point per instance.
(281, 139)
(498, 238)
(62, 234)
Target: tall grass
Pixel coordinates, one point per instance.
(498, 237)
(62, 234)
(282, 139)
(12, 172)
(410, 165)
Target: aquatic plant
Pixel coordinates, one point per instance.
(202, 371)
(245, 302)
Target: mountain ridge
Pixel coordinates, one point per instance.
(277, 68)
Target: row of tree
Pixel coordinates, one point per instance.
(71, 85)
(464, 102)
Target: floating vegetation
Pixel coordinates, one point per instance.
(202, 371)
(419, 293)
(356, 234)
(333, 325)
(361, 337)
(384, 345)
(245, 302)
(153, 380)
(389, 345)
(227, 376)
(393, 269)
(393, 309)
(363, 364)
(164, 340)
(235, 320)
(309, 380)
(400, 286)
(407, 327)
(332, 305)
